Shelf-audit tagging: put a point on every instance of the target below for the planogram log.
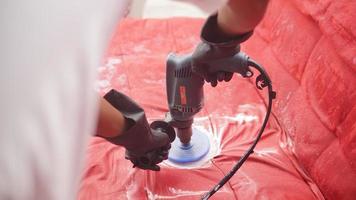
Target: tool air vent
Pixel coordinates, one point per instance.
(183, 72)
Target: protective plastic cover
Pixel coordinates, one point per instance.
(308, 149)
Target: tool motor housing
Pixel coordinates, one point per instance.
(184, 89)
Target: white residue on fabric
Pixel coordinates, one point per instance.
(121, 79)
(175, 193)
(179, 193)
(107, 72)
(140, 48)
(242, 117)
(246, 183)
(265, 151)
(152, 81)
(243, 114)
(132, 186)
(103, 83)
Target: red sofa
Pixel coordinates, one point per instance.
(308, 150)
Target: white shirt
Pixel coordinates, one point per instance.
(49, 51)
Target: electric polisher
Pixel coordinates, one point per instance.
(186, 98)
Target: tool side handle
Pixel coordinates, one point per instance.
(236, 64)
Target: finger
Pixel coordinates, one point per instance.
(164, 155)
(143, 160)
(161, 158)
(228, 76)
(221, 76)
(157, 160)
(154, 168)
(214, 83)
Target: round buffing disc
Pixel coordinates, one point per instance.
(197, 148)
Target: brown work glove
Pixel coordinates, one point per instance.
(146, 146)
(215, 45)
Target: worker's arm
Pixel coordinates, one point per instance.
(221, 36)
(241, 16)
(111, 122)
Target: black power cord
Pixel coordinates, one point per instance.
(262, 81)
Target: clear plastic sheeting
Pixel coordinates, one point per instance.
(307, 149)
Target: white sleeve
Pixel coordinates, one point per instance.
(49, 51)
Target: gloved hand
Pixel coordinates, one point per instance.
(146, 146)
(215, 45)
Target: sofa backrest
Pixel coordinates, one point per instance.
(309, 47)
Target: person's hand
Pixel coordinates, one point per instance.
(215, 46)
(202, 66)
(146, 146)
(160, 143)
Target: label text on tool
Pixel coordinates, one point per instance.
(183, 97)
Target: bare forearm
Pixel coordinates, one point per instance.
(241, 16)
(111, 123)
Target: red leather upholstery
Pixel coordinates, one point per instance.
(308, 150)
(309, 48)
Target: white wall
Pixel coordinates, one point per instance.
(173, 8)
